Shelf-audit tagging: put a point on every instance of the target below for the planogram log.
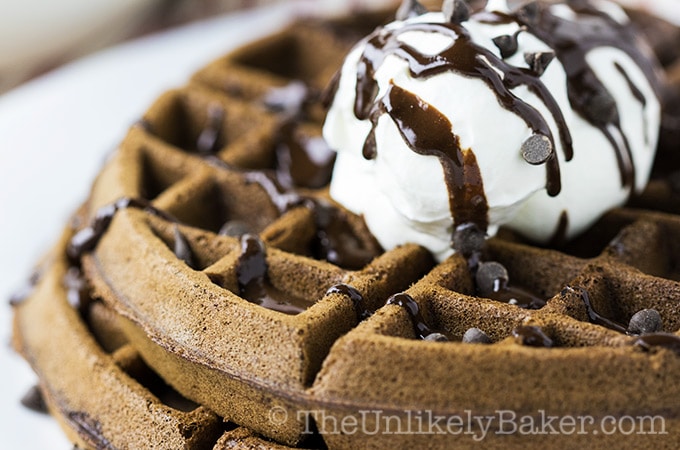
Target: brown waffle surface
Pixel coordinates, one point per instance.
(149, 334)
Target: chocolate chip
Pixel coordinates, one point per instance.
(539, 61)
(208, 140)
(531, 336)
(537, 149)
(34, 400)
(468, 239)
(476, 336)
(456, 11)
(617, 245)
(410, 8)
(436, 337)
(491, 277)
(234, 228)
(645, 321)
(182, 248)
(507, 44)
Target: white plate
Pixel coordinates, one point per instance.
(54, 135)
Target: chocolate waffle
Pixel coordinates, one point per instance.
(210, 294)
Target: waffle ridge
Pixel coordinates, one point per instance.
(169, 349)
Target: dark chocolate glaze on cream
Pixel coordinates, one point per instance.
(589, 97)
(570, 40)
(427, 131)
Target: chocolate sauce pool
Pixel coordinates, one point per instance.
(254, 284)
(427, 132)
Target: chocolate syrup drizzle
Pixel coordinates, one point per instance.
(355, 297)
(25, 291)
(90, 429)
(87, 239)
(427, 131)
(571, 41)
(647, 341)
(208, 141)
(34, 400)
(532, 336)
(594, 316)
(182, 249)
(463, 57)
(639, 96)
(664, 340)
(254, 284)
(303, 161)
(335, 241)
(518, 296)
(77, 289)
(421, 329)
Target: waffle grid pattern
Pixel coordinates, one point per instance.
(165, 348)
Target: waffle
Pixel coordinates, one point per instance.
(210, 294)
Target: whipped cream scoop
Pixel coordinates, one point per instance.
(538, 118)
